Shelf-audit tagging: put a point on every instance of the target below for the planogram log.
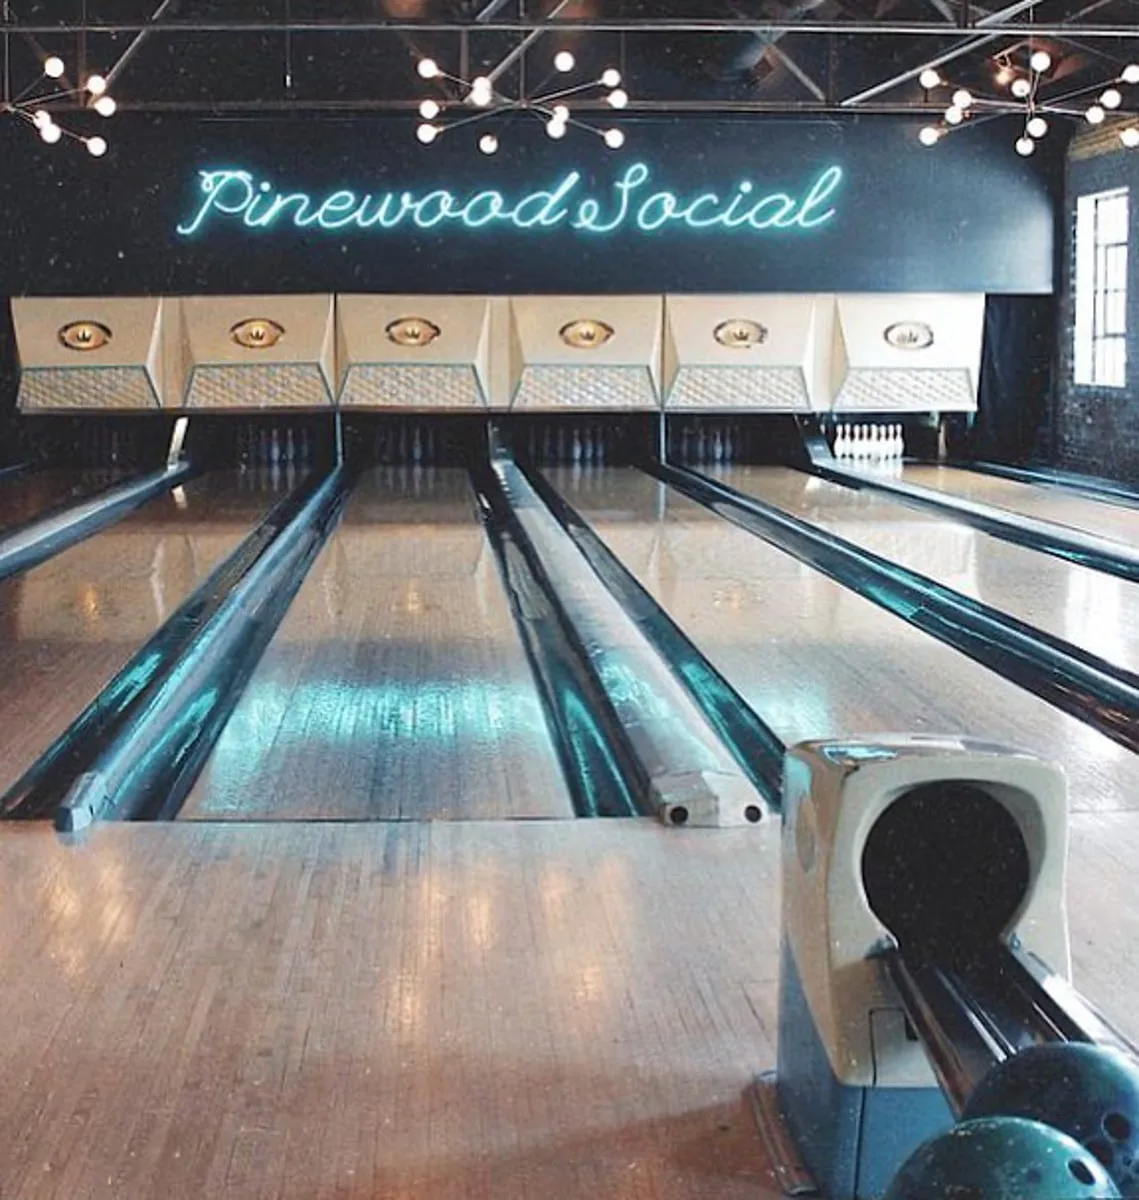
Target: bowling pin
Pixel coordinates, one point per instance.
(417, 447)
(290, 446)
(575, 449)
(275, 446)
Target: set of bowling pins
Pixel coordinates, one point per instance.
(567, 444)
(873, 442)
(698, 444)
(409, 442)
(271, 447)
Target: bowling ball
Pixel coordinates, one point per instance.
(1091, 1093)
(1001, 1158)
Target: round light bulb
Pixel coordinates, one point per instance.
(1025, 146)
(1004, 75)
(929, 79)
(1020, 87)
(556, 129)
(1040, 61)
(53, 67)
(1112, 98)
(51, 133)
(564, 61)
(427, 133)
(614, 139)
(428, 68)
(954, 115)
(1036, 127)
(488, 143)
(930, 135)
(41, 118)
(96, 85)
(429, 110)
(1095, 115)
(96, 147)
(1129, 137)
(963, 99)
(105, 106)
(482, 91)
(618, 98)
(561, 113)
(611, 78)
(1130, 73)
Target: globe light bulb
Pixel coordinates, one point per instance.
(488, 143)
(51, 133)
(555, 129)
(1129, 137)
(614, 139)
(1040, 61)
(96, 85)
(1095, 115)
(561, 113)
(427, 133)
(1021, 88)
(53, 67)
(1004, 75)
(1036, 127)
(96, 147)
(618, 98)
(428, 68)
(1112, 98)
(929, 79)
(963, 99)
(954, 115)
(1025, 146)
(105, 106)
(564, 61)
(41, 118)
(429, 110)
(482, 91)
(1130, 73)
(930, 135)
(611, 77)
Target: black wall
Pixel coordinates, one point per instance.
(1096, 430)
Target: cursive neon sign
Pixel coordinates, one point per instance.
(233, 195)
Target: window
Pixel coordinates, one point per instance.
(1101, 289)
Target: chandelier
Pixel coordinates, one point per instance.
(552, 108)
(1022, 79)
(37, 104)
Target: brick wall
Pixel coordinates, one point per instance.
(1096, 430)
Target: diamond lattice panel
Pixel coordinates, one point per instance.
(555, 387)
(390, 386)
(771, 388)
(885, 390)
(285, 386)
(87, 388)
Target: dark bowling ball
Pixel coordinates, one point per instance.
(1001, 1158)
(1089, 1092)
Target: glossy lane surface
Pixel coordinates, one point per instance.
(31, 494)
(396, 686)
(1097, 612)
(814, 659)
(70, 624)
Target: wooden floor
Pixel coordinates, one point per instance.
(69, 625)
(438, 1011)
(28, 494)
(397, 686)
(813, 658)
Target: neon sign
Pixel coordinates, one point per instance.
(236, 196)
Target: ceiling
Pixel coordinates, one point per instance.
(255, 56)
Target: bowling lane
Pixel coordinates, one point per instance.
(30, 494)
(396, 687)
(813, 658)
(1087, 608)
(69, 625)
(1098, 517)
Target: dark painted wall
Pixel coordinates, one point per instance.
(1096, 430)
(969, 215)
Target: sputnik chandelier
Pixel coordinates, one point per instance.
(551, 107)
(1023, 80)
(34, 105)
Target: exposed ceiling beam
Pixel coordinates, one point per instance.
(133, 48)
(806, 80)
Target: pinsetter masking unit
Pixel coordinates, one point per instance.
(927, 847)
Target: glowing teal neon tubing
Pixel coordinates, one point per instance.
(255, 204)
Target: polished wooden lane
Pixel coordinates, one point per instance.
(397, 686)
(1087, 608)
(814, 659)
(417, 1011)
(68, 625)
(1041, 502)
(29, 494)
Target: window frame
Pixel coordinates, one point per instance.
(1099, 286)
